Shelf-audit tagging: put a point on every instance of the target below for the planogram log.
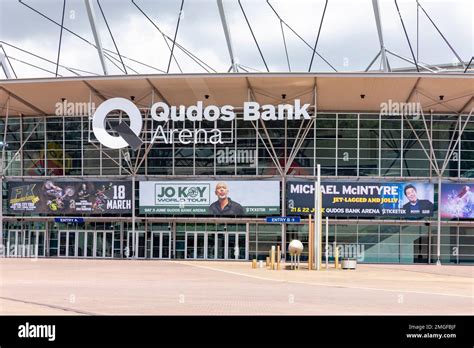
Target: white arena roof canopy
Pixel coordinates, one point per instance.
(336, 92)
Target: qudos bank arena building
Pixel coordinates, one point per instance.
(200, 166)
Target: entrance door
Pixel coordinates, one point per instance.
(196, 245)
(25, 243)
(236, 244)
(89, 243)
(215, 245)
(67, 244)
(81, 243)
(63, 245)
(160, 245)
(36, 243)
(132, 243)
(86, 244)
(15, 243)
(104, 244)
(190, 246)
(108, 244)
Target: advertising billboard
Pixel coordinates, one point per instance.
(362, 199)
(216, 198)
(457, 200)
(70, 197)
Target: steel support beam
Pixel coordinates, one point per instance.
(440, 33)
(421, 145)
(451, 149)
(2, 173)
(5, 67)
(372, 62)
(378, 22)
(98, 43)
(272, 153)
(228, 38)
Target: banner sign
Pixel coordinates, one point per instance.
(70, 197)
(217, 198)
(283, 219)
(457, 201)
(362, 199)
(68, 220)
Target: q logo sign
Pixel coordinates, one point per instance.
(128, 135)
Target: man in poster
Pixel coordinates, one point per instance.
(416, 206)
(224, 205)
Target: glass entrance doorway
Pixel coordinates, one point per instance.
(160, 245)
(25, 243)
(136, 247)
(216, 245)
(86, 244)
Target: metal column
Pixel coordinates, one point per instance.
(98, 43)
(378, 22)
(228, 38)
(134, 237)
(438, 241)
(2, 250)
(4, 66)
(283, 225)
(2, 171)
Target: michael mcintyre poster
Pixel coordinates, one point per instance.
(69, 197)
(361, 199)
(457, 201)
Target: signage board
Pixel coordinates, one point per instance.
(70, 197)
(362, 199)
(217, 198)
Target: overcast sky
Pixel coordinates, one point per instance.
(348, 38)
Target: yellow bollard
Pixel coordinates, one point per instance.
(267, 261)
(278, 257)
(254, 263)
(336, 257)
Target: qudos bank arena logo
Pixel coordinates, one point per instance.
(162, 112)
(128, 135)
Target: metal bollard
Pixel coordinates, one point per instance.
(272, 259)
(278, 258)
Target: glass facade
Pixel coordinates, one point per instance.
(348, 146)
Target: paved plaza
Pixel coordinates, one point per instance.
(109, 287)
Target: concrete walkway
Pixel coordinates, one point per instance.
(87, 287)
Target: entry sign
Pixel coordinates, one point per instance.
(65, 220)
(283, 219)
